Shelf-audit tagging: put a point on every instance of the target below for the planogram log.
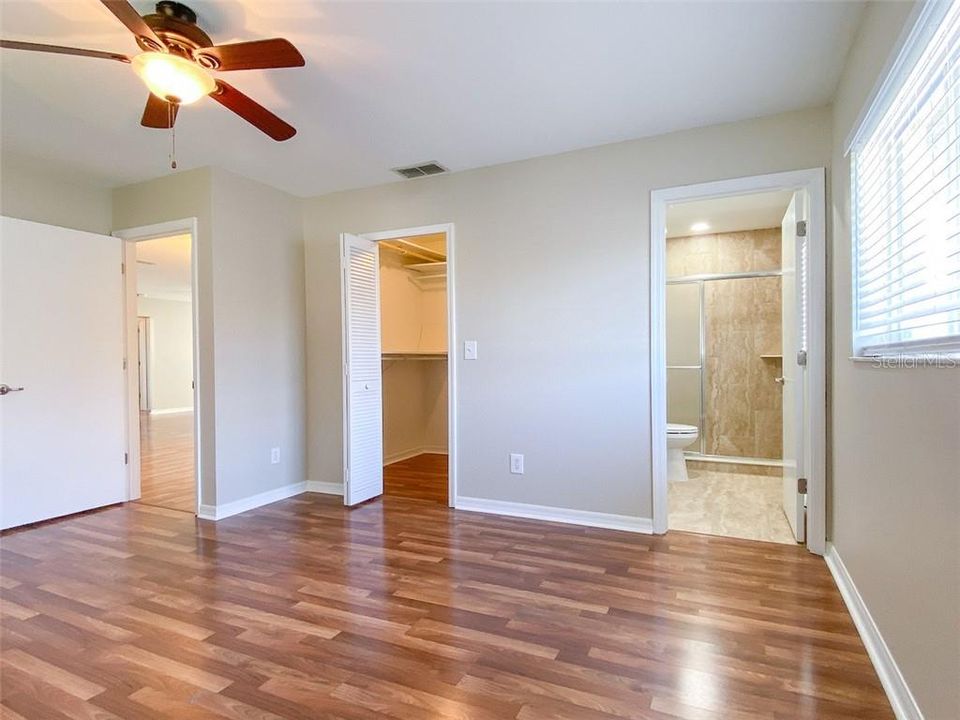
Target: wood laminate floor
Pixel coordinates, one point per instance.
(407, 609)
(423, 477)
(166, 461)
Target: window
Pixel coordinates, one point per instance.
(906, 198)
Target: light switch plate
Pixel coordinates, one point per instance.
(469, 349)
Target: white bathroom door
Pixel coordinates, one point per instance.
(62, 406)
(363, 426)
(794, 342)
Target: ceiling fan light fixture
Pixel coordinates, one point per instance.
(173, 78)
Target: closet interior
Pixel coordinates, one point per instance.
(413, 327)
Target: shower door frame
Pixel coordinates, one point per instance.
(813, 181)
(699, 280)
(702, 420)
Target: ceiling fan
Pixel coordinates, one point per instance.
(177, 59)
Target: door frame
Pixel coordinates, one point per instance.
(448, 230)
(131, 236)
(143, 370)
(813, 181)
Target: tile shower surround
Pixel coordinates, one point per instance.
(742, 403)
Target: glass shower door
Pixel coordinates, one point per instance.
(685, 355)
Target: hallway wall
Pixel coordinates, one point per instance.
(170, 368)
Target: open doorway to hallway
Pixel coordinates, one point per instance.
(162, 273)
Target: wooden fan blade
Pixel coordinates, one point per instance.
(255, 55)
(252, 112)
(159, 113)
(62, 50)
(128, 15)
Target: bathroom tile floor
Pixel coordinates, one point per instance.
(730, 504)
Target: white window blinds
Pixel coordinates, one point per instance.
(906, 205)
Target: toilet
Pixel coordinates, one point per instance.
(679, 437)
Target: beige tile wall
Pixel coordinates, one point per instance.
(742, 403)
(744, 251)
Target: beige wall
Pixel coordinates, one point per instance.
(414, 407)
(433, 317)
(31, 190)
(170, 355)
(403, 417)
(895, 467)
(435, 406)
(250, 303)
(259, 335)
(551, 281)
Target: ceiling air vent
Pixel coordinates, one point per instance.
(416, 171)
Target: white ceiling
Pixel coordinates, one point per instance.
(163, 268)
(389, 84)
(742, 212)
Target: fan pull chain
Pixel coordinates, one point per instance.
(173, 136)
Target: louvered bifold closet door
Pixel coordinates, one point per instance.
(906, 176)
(364, 425)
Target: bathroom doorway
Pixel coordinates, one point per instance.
(737, 400)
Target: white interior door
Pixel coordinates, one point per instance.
(363, 428)
(62, 437)
(794, 309)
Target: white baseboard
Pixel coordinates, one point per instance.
(327, 488)
(407, 454)
(898, 693)
(219, 512)
(556, 514)
(172, 411)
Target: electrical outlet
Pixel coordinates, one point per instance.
(275, 456)
(516, 463)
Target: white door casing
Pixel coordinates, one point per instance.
(793, 340)
(363, 425)
(143, 362)
(61, 338)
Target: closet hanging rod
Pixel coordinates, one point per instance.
(409, 248)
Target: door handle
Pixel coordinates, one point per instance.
(778, 380)
(4, 389)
